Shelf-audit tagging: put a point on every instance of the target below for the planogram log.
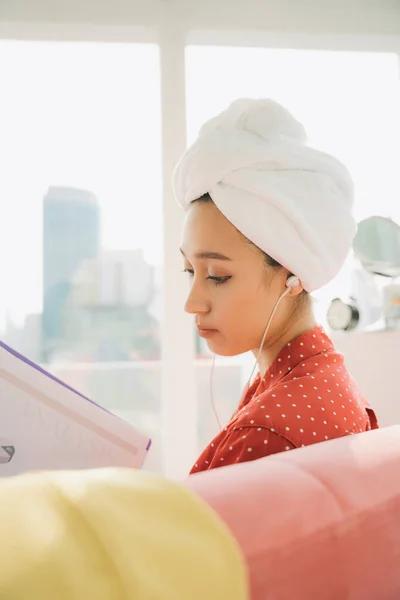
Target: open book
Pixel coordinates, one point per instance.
(46, 425)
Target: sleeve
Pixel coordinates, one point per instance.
(249, 443)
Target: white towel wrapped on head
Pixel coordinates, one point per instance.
(292, 201)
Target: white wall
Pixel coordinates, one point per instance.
(374, 361)
(307, 16)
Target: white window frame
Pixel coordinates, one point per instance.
(179, 399)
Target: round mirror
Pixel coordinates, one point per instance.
(377, 246)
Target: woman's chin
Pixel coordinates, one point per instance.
(222, 349)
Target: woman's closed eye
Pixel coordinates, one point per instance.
(219, 280)
(216, 280)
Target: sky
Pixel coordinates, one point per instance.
(88, 115)
(85, 115)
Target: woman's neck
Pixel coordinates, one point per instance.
(292, 331)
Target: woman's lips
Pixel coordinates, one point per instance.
(206, 333)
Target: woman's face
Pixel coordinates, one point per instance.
(232, 291)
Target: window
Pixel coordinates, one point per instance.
(81, 226)
(349, 103)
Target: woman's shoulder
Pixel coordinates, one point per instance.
(316, 403)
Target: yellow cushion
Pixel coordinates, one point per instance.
(113, 534)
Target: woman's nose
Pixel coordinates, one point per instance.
(196, 302)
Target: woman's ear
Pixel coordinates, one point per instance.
(294, 286)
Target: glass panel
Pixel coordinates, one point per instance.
(81, 218)
(227, 383)
(349, 103)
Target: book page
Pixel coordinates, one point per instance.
(45, 425)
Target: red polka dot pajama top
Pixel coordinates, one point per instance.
(306, 396)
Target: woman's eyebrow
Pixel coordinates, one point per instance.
(209, 255)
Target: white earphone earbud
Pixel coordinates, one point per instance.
(292, 282)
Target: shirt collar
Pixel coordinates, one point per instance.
(305, 346)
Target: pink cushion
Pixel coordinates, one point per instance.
(319, 522)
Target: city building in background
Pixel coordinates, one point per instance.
(98, 305)
(108, 316)
(71, 235)
(96, 302)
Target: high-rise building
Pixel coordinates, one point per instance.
(108, 311)
(116, 278)
(71, 235)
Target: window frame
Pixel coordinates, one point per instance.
(179, 399)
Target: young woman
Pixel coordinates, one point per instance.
(268, 221)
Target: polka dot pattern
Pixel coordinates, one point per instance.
(307, 396)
